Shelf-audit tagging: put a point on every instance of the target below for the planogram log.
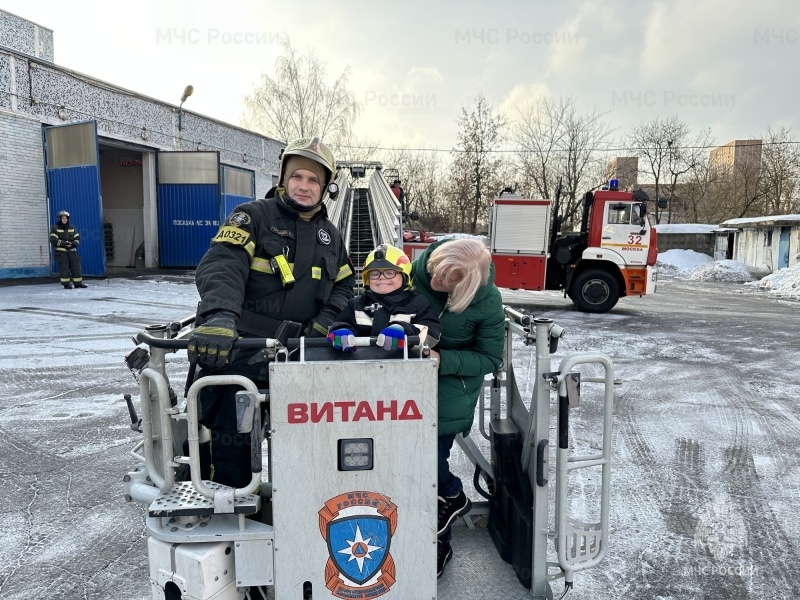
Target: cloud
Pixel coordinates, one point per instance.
(523, 94)
(714, 63)
(418, 77)
(710, 40)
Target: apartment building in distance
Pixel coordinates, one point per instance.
(625, 169)
(738, 156)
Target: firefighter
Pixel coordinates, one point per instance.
(276, 265)
(65, 240)
(389, 307)
(399, 193)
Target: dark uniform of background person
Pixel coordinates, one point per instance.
(399, 193)
(242, 292)
(65, 240)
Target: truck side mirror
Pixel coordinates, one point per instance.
(662, 203)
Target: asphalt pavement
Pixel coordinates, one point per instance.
(705, 479)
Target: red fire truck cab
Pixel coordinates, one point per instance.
(613, 255)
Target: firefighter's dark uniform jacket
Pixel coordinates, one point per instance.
(62, 234)
(371, 313)
(236, 275)
(67, 258)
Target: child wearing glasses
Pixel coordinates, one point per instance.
(389, 308)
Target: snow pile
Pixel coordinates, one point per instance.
(784, 283)
(701, 267)
(680, 262)
(722, 270)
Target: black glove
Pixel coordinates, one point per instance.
(211, 344)
(316, 329)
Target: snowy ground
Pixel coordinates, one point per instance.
(784, 283)
(705, 480)
(706, 475)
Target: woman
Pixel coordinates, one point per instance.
(457, 278)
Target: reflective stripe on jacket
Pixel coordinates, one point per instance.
(61, 234)
(236, 273)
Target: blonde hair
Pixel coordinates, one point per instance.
(465, 260)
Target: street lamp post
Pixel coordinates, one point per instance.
(186, 93)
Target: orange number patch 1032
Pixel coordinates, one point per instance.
(231, 235)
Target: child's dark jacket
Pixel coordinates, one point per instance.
(370, 313)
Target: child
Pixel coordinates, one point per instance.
(388, 308)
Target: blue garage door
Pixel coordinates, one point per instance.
(783, 247)
(73, 185)
(188, 206)
(238, 187)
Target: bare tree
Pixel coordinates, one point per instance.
(349, 147)
(422, 176)
(699, 194)
(684, 156)
(656, 142)
(537, 132)
(780, 164)
(424, 185)
(298, 101)
(555, 141)
(474, 177)
(740, 192)
(586, 136)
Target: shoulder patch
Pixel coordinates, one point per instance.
(238, 219)
(231, 235)
(324, 237)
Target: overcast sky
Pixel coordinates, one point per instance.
(730, 65)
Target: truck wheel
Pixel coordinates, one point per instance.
(594, 291)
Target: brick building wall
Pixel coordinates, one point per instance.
(24, 226)
(35, 92)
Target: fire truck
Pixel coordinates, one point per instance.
(613, 255)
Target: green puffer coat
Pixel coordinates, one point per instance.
(471, 346)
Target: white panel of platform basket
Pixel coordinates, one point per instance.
(254, 562)
(358, 533)
(200, 570)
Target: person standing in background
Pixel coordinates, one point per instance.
(399, 193)
(65, 240)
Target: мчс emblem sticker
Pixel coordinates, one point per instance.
(238, 219)
(324, 237)
(358, 528)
